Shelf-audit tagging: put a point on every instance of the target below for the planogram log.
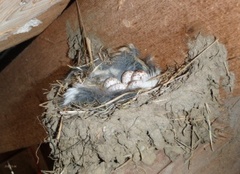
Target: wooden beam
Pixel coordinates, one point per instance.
(163, 28)
(22, 84)
(21, 20)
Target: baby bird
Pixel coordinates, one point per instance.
(125, 72)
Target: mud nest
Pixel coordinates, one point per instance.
(175, 116)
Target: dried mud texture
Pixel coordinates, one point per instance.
(175, 118)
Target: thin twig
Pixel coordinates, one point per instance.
(180, 71)
(36, 153)
(183, 144)
(113, 100)
(60, 128)
(209, 125)
(225, 65)
(85, 65)
(81, 26)
(44, 104)
(88, 42)
(71, 112)
(47, 171)
(10, 167)
(122, 165)
(191, 151)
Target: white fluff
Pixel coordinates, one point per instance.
(130, 81)
(125, 72)
(117, 87)
(150, 83)
(70, 95)
(135, 84)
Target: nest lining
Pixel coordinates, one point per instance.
(175, 116)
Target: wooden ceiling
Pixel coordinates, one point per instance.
(23, 19)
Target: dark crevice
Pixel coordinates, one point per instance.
(8, 55)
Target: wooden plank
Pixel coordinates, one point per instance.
(21, 20)
(22, 84)
(163, 28)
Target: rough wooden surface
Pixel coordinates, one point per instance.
(16, 15)
(163, 28)
(22, 84)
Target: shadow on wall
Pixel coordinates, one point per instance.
(7, 56)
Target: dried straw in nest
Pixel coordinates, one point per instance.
(175, 116)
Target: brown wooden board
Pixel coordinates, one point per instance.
(22, 84)
(17, 15)
(163, 28)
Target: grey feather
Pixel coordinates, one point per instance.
(92, 92)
